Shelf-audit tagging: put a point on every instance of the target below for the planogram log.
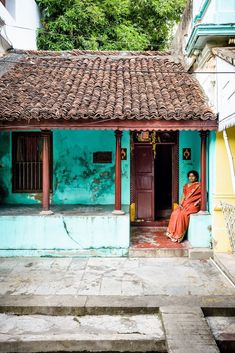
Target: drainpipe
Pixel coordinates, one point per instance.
(230, 158)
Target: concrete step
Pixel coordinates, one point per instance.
(101, 333)
(226, 262)
(187, 330)
(158, 252)
(223, 329)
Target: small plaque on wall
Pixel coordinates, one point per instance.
(187, 154)
(123, 154)
(102, 157)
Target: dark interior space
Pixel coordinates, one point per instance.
(163, 181)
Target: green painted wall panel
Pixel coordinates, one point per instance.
(188, 139)
(211, 169)
(65, 232)
(199, 232)
(75, 178)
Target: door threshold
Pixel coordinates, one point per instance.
(158, 223)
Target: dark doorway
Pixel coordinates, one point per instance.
(163, 181)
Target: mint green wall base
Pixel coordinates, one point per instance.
(199, 231)
(101, 252)
(28, 235)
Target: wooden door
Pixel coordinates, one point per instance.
(144, 182)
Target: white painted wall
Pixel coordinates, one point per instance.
(225, 92)
(21, 18)
(217, 12)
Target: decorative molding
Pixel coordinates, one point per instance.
(199, 16)
(224, 196)
(208, 30)
(115, 124)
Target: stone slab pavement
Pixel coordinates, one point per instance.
(167, 277)
(70, 289)
(187, 330)
(42, 333)
(227, 264)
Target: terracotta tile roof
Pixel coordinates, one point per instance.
(116, 85)
(226, 53)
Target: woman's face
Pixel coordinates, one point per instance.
(192, 178)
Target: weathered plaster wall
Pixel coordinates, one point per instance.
(223, 191)
(4, 165)
(181, 35)
(75, 178)
(104, 234)
(188, 139)
(211, 169)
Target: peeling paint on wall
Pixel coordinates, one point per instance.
(76, 178)
(188, 139)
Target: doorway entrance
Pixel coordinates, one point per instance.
(154, 175)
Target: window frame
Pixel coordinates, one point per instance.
(15, 135)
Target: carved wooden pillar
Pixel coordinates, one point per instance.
(46, 173)
(118, 175)
(203, 135)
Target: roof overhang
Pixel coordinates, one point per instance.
(201, 33)
(111, 124)
(227, 122)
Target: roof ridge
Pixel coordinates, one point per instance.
(77, 52)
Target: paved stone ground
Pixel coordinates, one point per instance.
(187, 330)
(112, 276)
(64, 295)
(227, 263)
(43, 333)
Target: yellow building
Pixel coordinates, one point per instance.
(224, 237)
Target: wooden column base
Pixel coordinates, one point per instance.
(46, 213)
(118, 212)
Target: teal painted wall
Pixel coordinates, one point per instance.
(64, 232)
(199, 231)
(188, 139)
(211, 169)
(75, 178)
(6, 195)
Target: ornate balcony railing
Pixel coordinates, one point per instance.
(229, 216)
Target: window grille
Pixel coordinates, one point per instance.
(27, 161)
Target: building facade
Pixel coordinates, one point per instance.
(205, 40)
(88, 136)
(19, 21)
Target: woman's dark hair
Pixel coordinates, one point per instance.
(194, 172)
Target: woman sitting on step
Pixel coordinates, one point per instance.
(190, 203)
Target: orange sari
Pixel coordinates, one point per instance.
(179, 219)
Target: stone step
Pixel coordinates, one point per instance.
(223, 329)
(101, 333)
(187, 330)
(226, 263)
(158, 252)
(72, 305)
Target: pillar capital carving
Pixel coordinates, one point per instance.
(118, 133)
